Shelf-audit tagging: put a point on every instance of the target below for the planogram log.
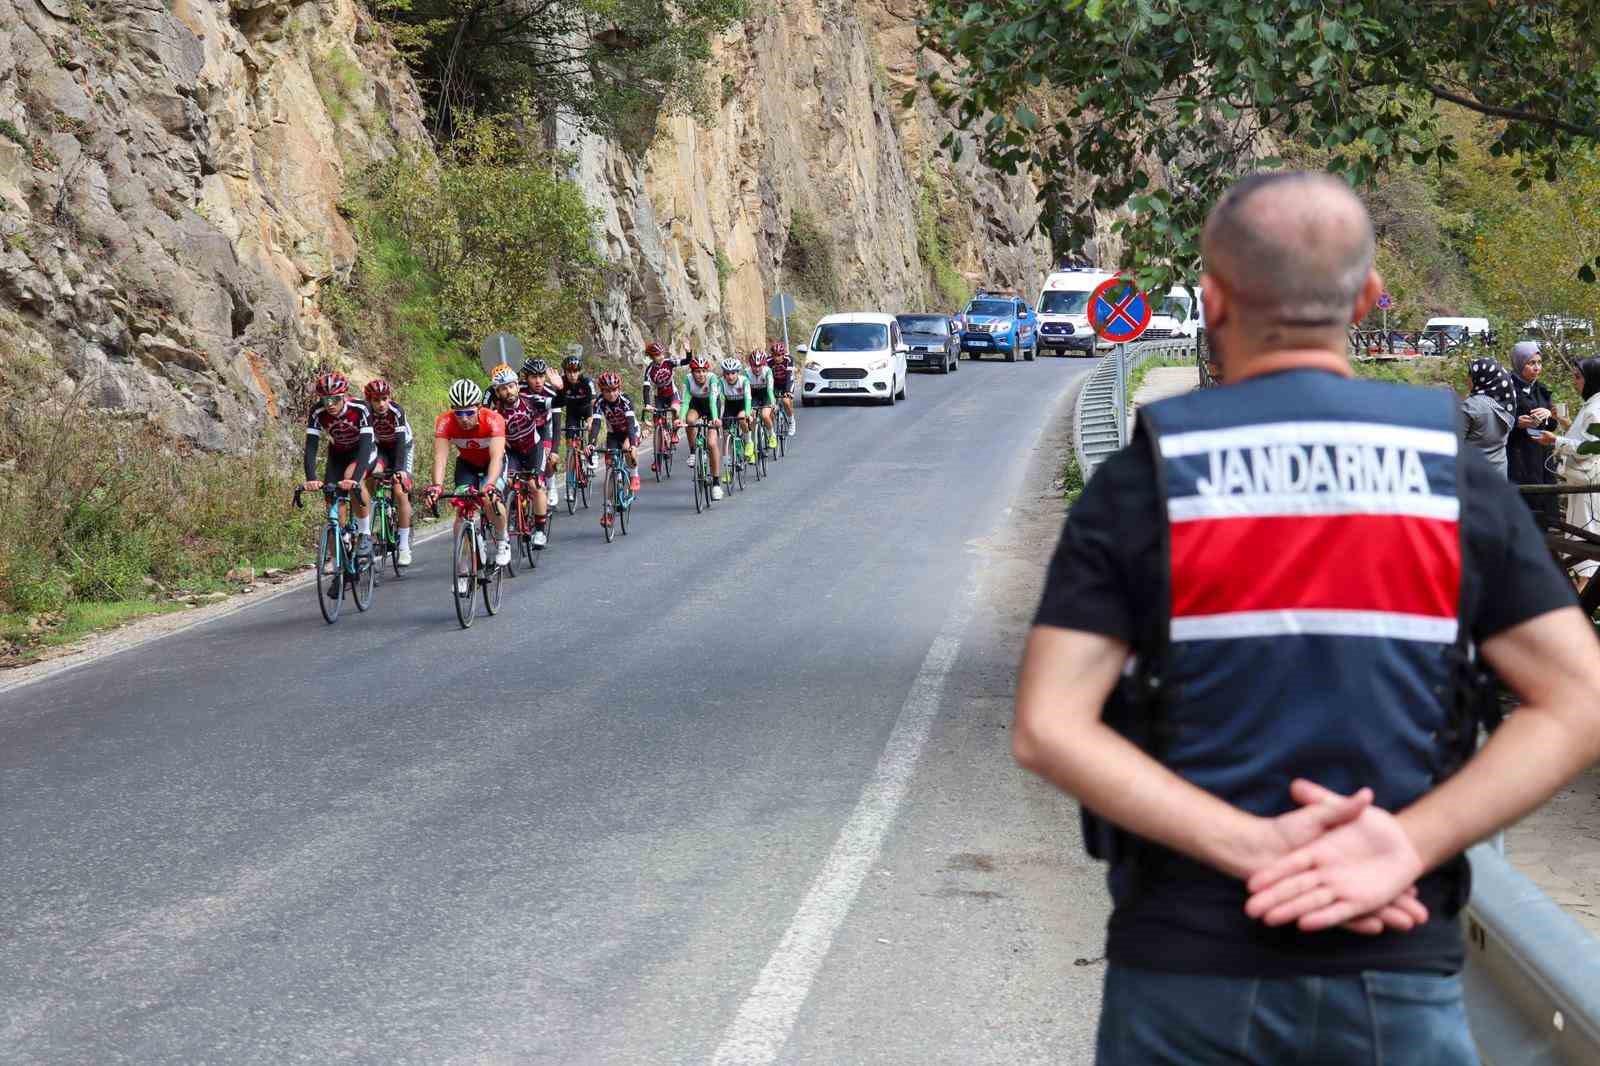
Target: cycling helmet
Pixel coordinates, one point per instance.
(465, 393)
(758, 359)
(378, 389)
(610, 380)
(332, 383)
(654, 350)
(779, 349)
(731, 365)
(699, 362)
(502, 374)
(572, 362)
(536, 367)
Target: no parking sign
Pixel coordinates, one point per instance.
(1119, 311)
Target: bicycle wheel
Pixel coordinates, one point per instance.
(465, 561)
(529, 553)
(697, 478)
(622, 510)
(491, 589)
(364, 580)
(608, 506)
(572, 485)
(330, 596)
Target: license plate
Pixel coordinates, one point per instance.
(976, 343)
(848, 383)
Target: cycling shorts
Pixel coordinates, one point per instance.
(530, 461)
(664, 406)
(760, 398)
(701, 405)
(388, 458)
(620, 440)
(340, 465)
(783, 388)
(469, 476)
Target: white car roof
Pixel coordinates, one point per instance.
(1075, 280)
(878, 317)
(1446, 321)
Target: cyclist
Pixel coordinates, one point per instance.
(348, 427)
(734, 384)
(524, 438)
(702, 402)
(539, 389)
(396, 445)
(783, 368)
(478, 436)
(622, 424)
(761, 393)
(575, 397)
(660, 393)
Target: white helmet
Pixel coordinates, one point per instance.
(731, 365)
(465, 393)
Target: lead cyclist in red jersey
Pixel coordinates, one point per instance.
(782, 366)
(478, 437)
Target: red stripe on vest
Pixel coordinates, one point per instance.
(1389, 563)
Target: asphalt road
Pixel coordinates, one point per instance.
(735, 789)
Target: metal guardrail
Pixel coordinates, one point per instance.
(1533, 972)
(1096, 429)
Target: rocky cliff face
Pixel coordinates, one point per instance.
(810, 147)
(170, 173)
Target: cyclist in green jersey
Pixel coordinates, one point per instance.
(734, 384)
(702, 402)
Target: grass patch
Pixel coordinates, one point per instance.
(811, 259)
(9, 131)
(339, 80)
(1071, 479)
(1142, 371)
(945, 282)
(724, 272)
(22, 637)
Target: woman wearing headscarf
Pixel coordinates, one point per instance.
(1527, 459)
(1583, 508)
(1490, 410)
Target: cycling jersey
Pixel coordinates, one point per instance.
(472, 445)
(706, 399)
(661, 382)
(761, 387)
(619, 417)
(735, 397)
(577, 398)
(522, 423)
(396, 443)
(542, 398)
(349, 434)
(782, 367)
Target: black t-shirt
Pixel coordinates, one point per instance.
(1106, 578)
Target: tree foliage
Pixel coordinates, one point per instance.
(609, 65)
(1156, 106)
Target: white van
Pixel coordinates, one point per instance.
(1178, 315)
(1063, 310)
(1441, 334)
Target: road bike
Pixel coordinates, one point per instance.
(664, 444)
(385, 527)
(577, 476)
(733, 461)
(765, 448)
(700, 461)
(336, 556)
(473, 570)
(615, 499)
(521, 523)
(785, 424)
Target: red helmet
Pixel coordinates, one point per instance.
(332, 383)
(758, 359)
(699, 362)
(610, 380)
(654, 350)
(779, 349)
(378, 389)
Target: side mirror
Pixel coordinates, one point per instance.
(801, 349)
(901, 349)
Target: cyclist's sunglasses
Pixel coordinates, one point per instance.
(332, 401)
(466, 413)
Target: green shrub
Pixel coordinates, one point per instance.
(811, 259)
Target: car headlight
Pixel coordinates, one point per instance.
(1003, 327)
(878, 364)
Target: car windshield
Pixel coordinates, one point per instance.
(851, 337)
(1063, 303)
(937, 325)
(1455, 333)
(1175, 307)
(996, 308)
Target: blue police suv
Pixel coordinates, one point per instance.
(1000, 324)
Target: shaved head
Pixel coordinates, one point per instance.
(1294, 249)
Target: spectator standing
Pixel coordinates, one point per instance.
(1583, 509)
(1490, 410)
(1292, 611)
(1527, 458)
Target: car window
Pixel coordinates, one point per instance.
(850, 337)
(1063, 303)
(993, 308)
(937, 325)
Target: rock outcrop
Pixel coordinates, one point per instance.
(170, 175)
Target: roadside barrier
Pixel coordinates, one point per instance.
(1100, 423)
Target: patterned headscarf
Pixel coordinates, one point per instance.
(1494, 381)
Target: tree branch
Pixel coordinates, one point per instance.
(1511, 113)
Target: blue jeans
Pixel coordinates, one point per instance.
(1366, 1019)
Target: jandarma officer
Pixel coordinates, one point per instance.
(1301, 563)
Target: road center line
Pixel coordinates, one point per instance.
(767, 1016)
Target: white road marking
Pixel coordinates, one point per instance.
(767, 1016)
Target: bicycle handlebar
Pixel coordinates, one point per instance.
(329, 492)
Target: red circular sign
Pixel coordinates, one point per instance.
(1120, 317)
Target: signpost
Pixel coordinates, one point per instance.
(500, 348)
(781, 307)
(1385, 302)
(1119, 311)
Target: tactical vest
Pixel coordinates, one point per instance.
(1312, 580)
